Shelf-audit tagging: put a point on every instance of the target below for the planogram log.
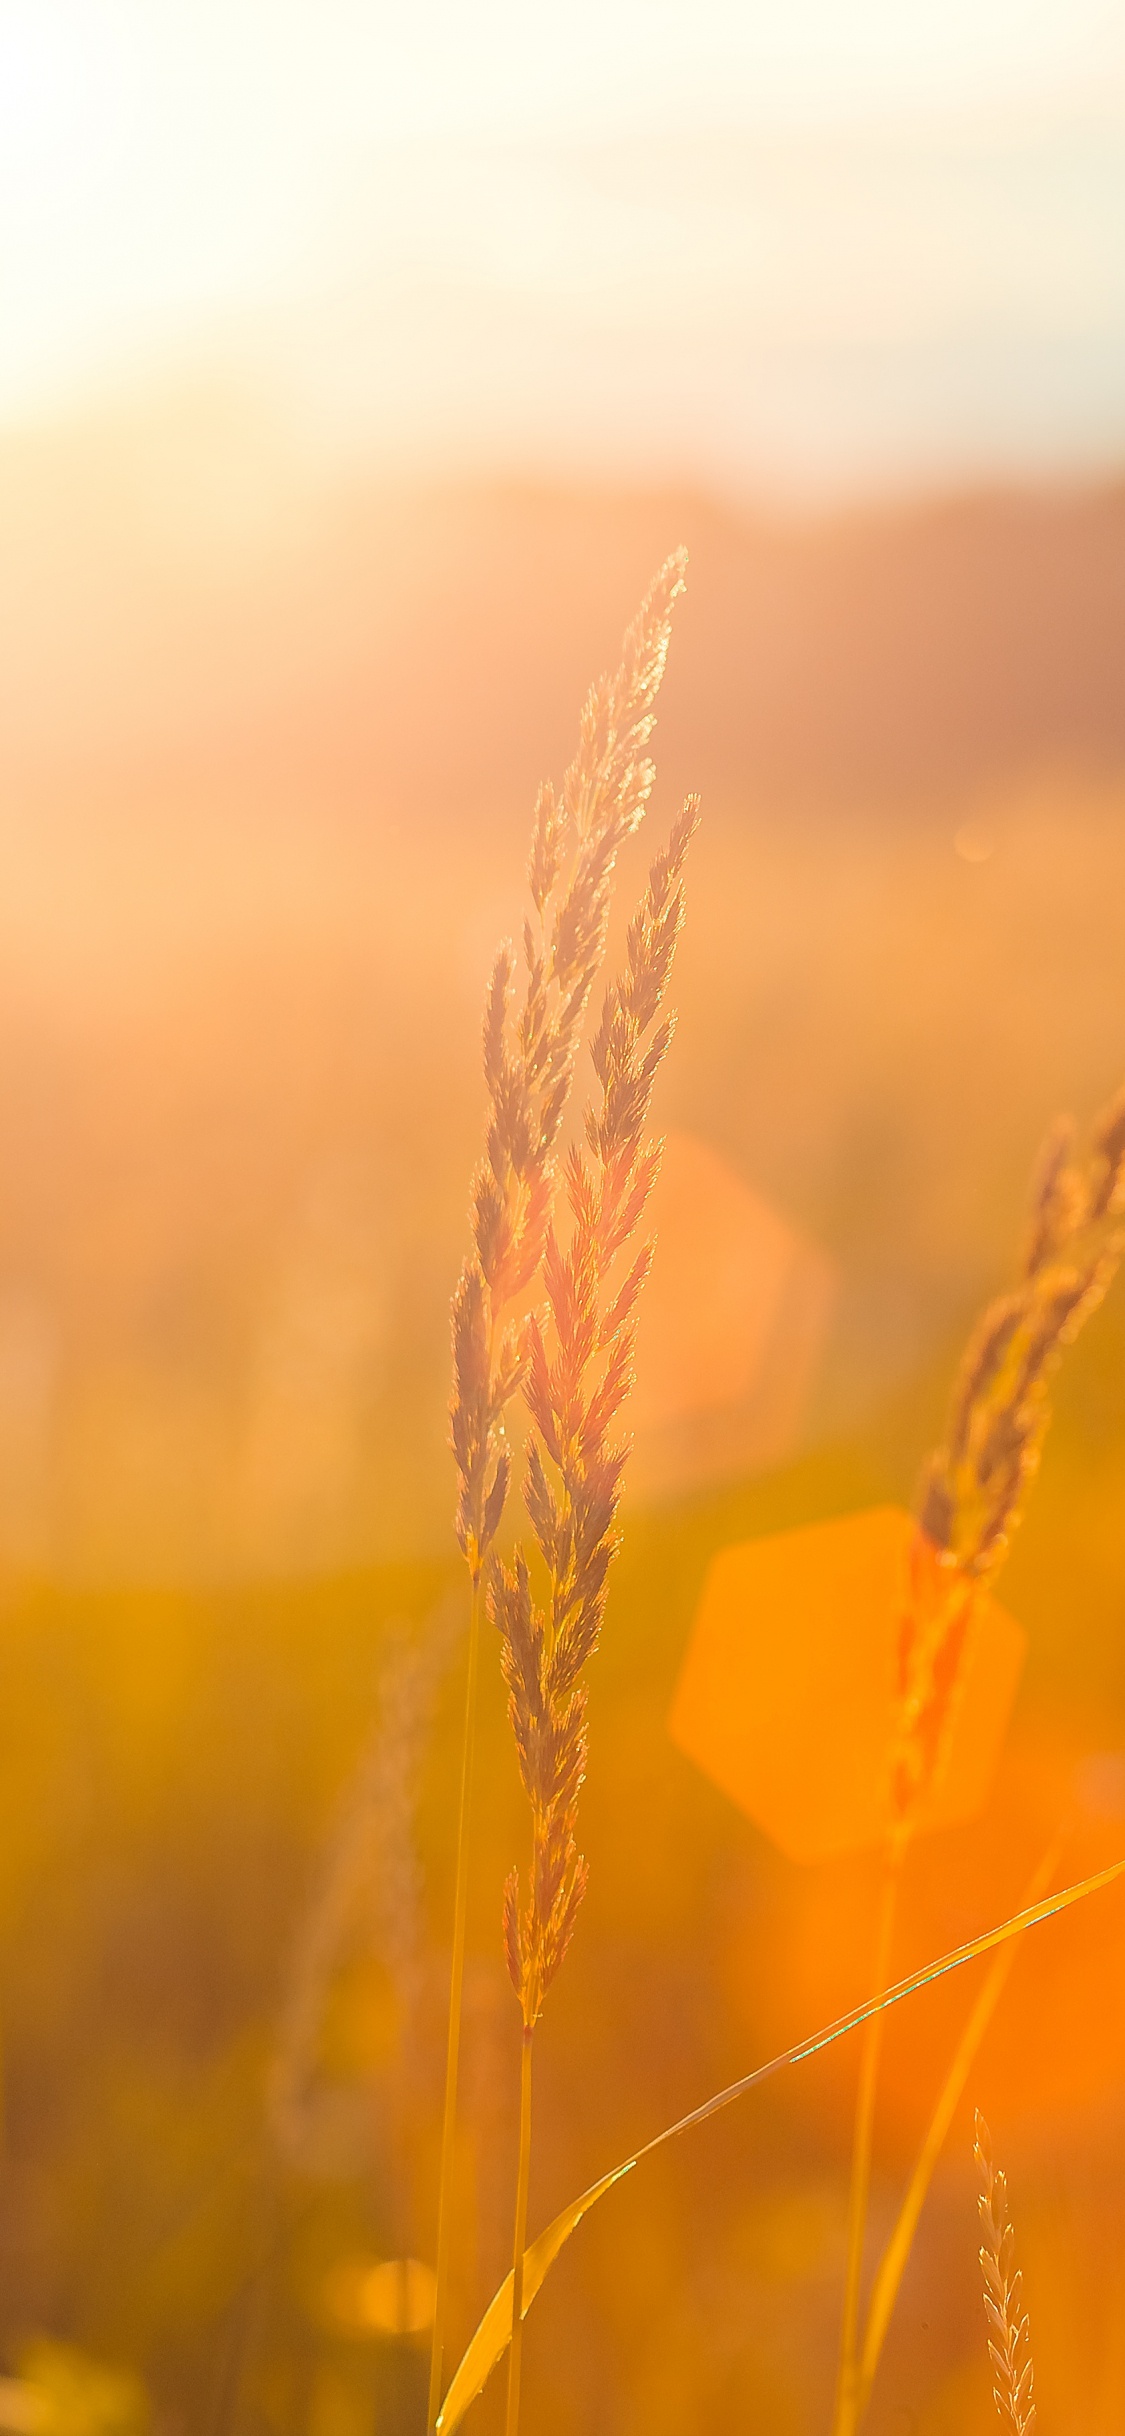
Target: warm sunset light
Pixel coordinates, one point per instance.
(836, 246)
(562, 1360)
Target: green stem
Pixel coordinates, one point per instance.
(846, 2416)
(523, 2179)
(453, 2044)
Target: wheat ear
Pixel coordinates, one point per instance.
(578, 1376)
(1009, 2341)
(531, 1040)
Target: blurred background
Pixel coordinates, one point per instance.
(357, 368)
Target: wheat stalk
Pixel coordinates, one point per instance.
(578, 1376)
(1009, 2340)
(529, 1054)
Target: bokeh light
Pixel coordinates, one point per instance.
(735, 1320)
(787, 1694)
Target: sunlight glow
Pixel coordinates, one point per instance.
(277, 185)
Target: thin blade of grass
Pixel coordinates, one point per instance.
(846, 2415)
(494, 2332)
(893, 2262)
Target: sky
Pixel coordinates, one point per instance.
(828, 245)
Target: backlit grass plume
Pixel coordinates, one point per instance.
(973, 1488)
(532, 1030)
(577, 1381)
(579, 1372)
(529, 1049)
(970, 1499)
(1009, 2341)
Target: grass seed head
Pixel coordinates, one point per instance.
(578, 1376)
(532, 1031)
(1009, 2338)
(973, 1488)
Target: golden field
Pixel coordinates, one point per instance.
(268, 763)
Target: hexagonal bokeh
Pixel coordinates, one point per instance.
(785, 1698)
(732, 1327)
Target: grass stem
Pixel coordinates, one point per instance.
(885, 2289)
(846, 2416)
(456, 1986)
(523, 2178)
